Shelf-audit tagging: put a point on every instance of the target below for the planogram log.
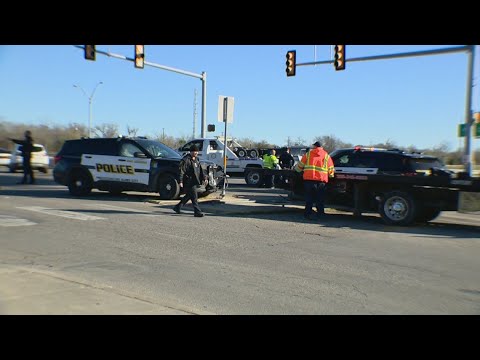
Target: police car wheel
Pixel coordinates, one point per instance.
(168, 188)
(80, 183)
(253, 153)
(242, 153)
(397, 208)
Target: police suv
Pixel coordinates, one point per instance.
(125, 164)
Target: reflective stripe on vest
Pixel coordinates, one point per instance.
(317, 173)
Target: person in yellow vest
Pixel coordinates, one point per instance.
(317, 167)
(270, 161)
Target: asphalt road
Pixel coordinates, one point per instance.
(267, 262)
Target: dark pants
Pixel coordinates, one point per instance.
(27, 171)
(314, 193)
(191, 194)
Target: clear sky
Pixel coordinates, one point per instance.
(412, 101)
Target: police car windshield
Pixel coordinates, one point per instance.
(157, 149)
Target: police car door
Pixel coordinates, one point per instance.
(126, 169)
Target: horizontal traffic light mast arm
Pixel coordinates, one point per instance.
(163, 67)
(394, 56)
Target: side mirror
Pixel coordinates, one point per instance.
(139, 154)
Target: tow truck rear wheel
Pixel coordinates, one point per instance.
(397, 208)
(168, 187)
(253, 177)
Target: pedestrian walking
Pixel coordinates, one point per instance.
(191, 177)
(317, 167)
(26, 149)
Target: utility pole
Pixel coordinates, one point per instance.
(194, 113)
(469, 155)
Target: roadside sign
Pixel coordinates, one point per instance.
(225, 108)
(461, 130)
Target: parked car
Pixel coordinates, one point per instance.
(125, 164)
(40, 160)
(5, 157)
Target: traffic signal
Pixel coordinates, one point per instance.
(90, 52)
(139, 56)
(291, 62)
(339, 62)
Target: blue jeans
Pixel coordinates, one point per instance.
(314, 193)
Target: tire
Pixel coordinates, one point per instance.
(80, 183)
(253, 177)
(253, 153)
(242, 153)
(397, 208)
(427, 214)
(168, 187)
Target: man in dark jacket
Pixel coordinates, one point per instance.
(286, 160)
(191, 177)
(27, 148)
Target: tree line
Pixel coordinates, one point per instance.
(53, 137)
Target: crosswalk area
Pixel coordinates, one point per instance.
(7, 221)
(11, 220)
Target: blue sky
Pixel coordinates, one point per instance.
(413, 101)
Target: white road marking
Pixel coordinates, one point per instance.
(6, 220)
(119, 208)
(62, 213)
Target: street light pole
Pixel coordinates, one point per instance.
(90, 98)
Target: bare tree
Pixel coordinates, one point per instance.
(106, 130)
(331, 142)
(132, 132)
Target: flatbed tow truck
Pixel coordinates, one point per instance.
(401, 199)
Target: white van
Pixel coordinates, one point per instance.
(39, 161)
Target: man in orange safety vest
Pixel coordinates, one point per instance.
(317, 167)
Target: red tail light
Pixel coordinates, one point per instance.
(56, 159)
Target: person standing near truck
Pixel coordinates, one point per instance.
(191, 177)
(270, 161)
(317, 167)
(286, 160)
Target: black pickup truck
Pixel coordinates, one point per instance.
(402, 187)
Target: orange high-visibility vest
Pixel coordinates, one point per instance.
(316, 165)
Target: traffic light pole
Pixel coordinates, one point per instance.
(470, 49)
(202, 76)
